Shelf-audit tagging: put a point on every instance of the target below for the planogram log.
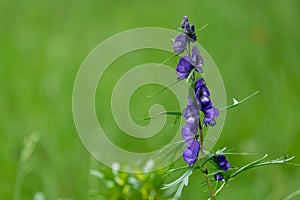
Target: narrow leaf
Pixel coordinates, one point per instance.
(236, 102)
(163, 89)
(247, 166)
(167, 59)
(190, 75)
(179, 180)
(176, 113)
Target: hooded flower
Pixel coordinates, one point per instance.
(210, 115)
(218, 177)
(223, 165)
(184, 68)
(188, 134)
(206, 105)
(185, 20)
(190, 130)
(190, 153)
(189, 30)
(191, 114)
(197, 60)
(189, 35)
(223, 162)
(179, 44)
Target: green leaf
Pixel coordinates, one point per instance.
(176, 113)
(179, 180)
(163, 89)
(167, 59)
(248, 166)
(182, 181)
(259, 163)
(175, 120)
(236, 102)
(223, 151)
(276, 161)
(177, 169)
(190, 75)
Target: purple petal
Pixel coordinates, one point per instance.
(216, 113)
(197, 60)
(200, 83)
(188, 134)
(212, 122)
(179, 44)
(190, 32)
(190, 153)
(204, 91)
(185, 19)
(193, 102)
(187, 28)
(223, 162)
(210, 115)
(191, 114)
(204, 100)
(218, 177)
(192, 28)
(184, 68)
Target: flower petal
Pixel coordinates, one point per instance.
(179, 44)
(190, 153)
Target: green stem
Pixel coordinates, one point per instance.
(204, 169)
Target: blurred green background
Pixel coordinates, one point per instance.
(256, 45)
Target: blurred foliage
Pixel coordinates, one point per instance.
(115, 184)
(256, 45)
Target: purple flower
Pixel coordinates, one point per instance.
(189, 30)
(197, 61)
(191, 114)
(184, 68)
(210, 115)
(201, 89)
(219, 177)
(185, 20)
(223, 162)
(179, 44)
(203, 94)
(190, 153)
(188, 134)
(206, 105)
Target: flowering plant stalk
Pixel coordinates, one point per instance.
(201, 113)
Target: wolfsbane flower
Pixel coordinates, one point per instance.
(189, 131)
(184, 68)
(185, 20)
(179, 44)
(189, 30)
(210, 115)
(192, 116)
(218, 177)
(190, 153)
(186, 64)
(197, 60)
(206, 105)
(223, 164)
(189, 35)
